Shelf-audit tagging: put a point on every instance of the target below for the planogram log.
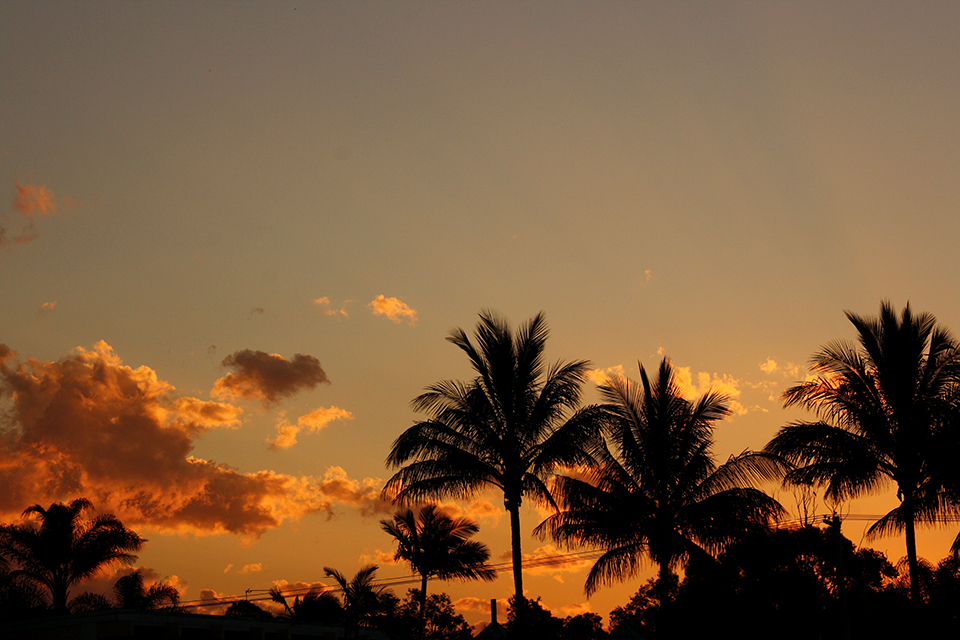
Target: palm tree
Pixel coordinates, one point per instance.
(884, 418)
(362, 597)
(130, 593)
(659, 494)
(508, 428)
(437, 546)
(65, 549)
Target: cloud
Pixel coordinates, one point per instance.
(258, 310)
(549, 561)
(393, 309)
(313, 421)
(379, 557)
(30, 201)
(251, 568)
(46, 308)
(479, 509)
(648, 275)
(600, 376)
(364, 495)
(327, 310)
(227, 570)
(482, 605)
(88, 425)
(770, 366)
(267, 377)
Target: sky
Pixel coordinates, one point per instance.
(234, 236)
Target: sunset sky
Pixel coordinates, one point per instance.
(234, 236)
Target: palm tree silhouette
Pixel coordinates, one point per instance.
(130, 593)
(361, 596)
(508, 428)
(884, 417)
(65, 549)
(438, 546)
(659, 493)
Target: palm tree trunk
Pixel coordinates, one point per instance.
(423, 605)
(912, 563)
(519, 602)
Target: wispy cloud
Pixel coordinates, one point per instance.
(30, 201)
(393, 309)
(46, 308)
(769, 366)
(313, 421)
(256, 567)
(327, 309)
(267, 377)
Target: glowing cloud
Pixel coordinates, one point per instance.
(770, 366)
(251, 568)
(364, 495)
(267, 377)
(46, 308)
(549, 561)
(600, 376)
(394, 309)
(327, 310)
(313, 421)
(379, 557)
(88, 425)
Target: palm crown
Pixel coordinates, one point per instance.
(507, 428)
(656, 492)
(885, 408)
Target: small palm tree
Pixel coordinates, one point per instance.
(659, 494)
(885, 417)
(130, 593)
(63, 549)
(438, 546)
(317, 605)
(508, 428)
(362, 597)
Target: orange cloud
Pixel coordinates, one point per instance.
(364, 495)
(393, 309)
(267, 377)
(46, 308)
(252, 568)
(88, 425)
(379, 557)
(770, 366)
(600, 376)
(327, 310)
(313, 421)
(29, 201)
(549, 561)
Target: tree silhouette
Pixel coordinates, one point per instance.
(884, 409)
(362, 598)
(129, 593)
(659, 494)
(64, 549)
(508, 428)
(317, 605)
(438, 546)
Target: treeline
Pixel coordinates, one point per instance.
(635, 477)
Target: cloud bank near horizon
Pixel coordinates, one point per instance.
(89, 425)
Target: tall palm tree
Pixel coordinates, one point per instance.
(438, 546)
(883, 408)
(65, 549)
(361, 596)
(656, 492)
(508, 428)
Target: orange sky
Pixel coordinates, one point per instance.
(237, 234)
